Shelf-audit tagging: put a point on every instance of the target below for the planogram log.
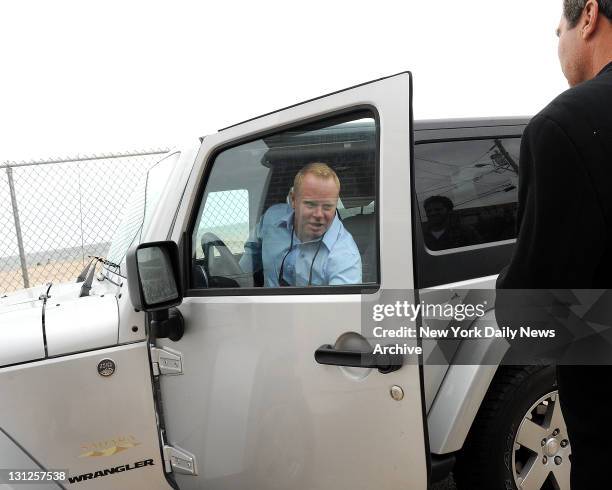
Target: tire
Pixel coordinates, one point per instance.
(514, 435)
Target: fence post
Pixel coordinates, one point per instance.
(22, 258)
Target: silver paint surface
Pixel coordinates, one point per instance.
(22, 333)
(58, 409)
(81, 324)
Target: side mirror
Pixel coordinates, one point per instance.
(153, 276)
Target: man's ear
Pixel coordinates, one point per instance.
(291, 198)
(590, 16)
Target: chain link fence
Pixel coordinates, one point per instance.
(226, 214)
(55, 213)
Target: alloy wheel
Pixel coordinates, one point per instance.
(541, 449)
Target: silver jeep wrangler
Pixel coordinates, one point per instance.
(171, 367)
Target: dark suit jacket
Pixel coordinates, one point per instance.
(565, 193)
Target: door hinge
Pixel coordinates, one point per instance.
(178, 460)
(166, 361)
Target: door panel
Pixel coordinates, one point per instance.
(260, 413)
(253, 406)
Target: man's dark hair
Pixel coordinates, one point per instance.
(572, 10)
(445, 201)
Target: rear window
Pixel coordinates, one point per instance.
(467, 192)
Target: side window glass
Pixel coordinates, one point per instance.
(293, 209)
(467, 191)
(225, 223)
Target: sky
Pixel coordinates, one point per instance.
(96, 77)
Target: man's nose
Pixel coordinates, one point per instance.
(318, 212)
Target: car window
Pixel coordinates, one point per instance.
(291, 209)
(467, 191)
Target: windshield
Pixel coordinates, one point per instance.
(140, 208)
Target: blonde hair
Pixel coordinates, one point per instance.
(318, 169)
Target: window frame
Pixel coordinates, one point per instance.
(185, 245)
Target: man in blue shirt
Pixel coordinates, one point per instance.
(304, 243)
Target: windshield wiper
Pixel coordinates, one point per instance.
(90, 271)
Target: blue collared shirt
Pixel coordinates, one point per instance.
(337, 262)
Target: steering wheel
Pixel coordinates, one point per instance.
(226, 263)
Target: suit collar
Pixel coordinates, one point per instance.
(605, 69)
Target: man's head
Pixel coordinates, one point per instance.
(314, 198)
(585, 38)
(438, 209)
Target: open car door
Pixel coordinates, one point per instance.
(253, 409)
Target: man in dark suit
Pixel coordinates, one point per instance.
(565, 216)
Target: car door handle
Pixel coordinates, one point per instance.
(385, 363)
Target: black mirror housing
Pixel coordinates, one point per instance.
(154, 276)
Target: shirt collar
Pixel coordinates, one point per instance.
(331, 236)
(285, 218)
